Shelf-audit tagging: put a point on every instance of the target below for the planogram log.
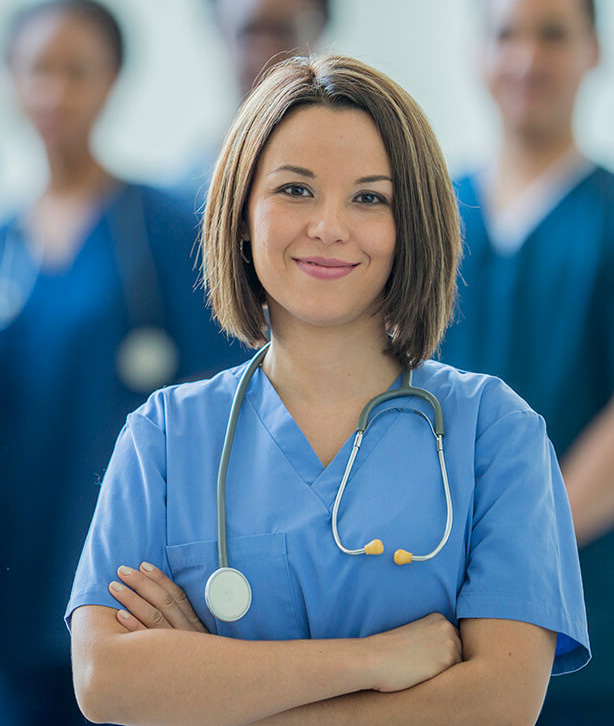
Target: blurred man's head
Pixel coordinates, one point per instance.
(257, 31)
(536, 54)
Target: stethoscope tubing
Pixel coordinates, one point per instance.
(231, 428)
(406, 389)
(228, 592)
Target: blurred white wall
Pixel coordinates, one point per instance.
(177, 94)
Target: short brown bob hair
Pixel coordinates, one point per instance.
(421, 288)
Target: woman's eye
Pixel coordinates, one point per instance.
(370, 198)
(295, 190)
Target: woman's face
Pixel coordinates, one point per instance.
(63, 70)
(320, 218)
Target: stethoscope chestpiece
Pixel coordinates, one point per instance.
(228, 594)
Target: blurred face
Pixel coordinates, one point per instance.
(536, 55)
(63, 71)
(320, 218)
(258, 30)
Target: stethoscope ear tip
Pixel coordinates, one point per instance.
(403, 557)
(375, 547)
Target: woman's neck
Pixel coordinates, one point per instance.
(331, 367)
(325, 376)
(57, 223)
(75, 172)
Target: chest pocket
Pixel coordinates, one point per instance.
(273, 614)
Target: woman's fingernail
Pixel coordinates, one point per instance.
(118, 587)
(125, 570)
(147, 567)
(124, 614)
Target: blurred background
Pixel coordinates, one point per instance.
(77, 346)
(177, 93)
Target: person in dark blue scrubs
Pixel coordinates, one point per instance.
(97, 307)
(536, 305)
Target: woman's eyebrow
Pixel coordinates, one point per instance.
(302, 171)
(295, 169)
(373, 178)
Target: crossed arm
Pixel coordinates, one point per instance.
(154, 663)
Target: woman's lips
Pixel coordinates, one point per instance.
(325, 268)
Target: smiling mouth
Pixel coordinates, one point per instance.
(325, 268)
(329, 262)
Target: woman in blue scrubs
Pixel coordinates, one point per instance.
(331, 230)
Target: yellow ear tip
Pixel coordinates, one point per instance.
(375, 547)
(402, 557)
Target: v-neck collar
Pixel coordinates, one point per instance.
(511, 227)
(16, 232)
(294, 445)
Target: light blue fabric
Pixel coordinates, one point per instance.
(511, 553)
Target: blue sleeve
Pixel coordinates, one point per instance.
(523, 560)
(129, 524)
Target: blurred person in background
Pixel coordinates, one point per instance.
(537, 306)
(97, 308)
(256, 32)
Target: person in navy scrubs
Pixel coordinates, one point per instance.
(536, 306)
(331, 231)
(97, 308)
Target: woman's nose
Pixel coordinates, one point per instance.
(330, 223)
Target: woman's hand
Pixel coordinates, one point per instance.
(406, 656)
(397, 659)
(152, 600)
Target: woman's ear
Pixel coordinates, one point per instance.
(244, 229)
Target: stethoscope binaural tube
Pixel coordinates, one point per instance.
(375, 546)
(228, 593)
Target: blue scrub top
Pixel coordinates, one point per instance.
(511, 552)
(542, 318)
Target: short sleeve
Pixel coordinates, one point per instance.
(129, 523)
(523, 560)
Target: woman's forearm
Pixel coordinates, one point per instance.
(503, 682)
(461, 696)
(180, 677)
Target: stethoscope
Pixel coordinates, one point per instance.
(147, 357)
(228, 593)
